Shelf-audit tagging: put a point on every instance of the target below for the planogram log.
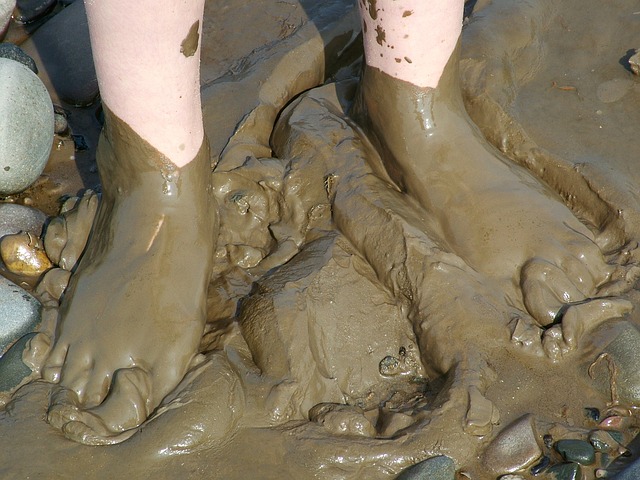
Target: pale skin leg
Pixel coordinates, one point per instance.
(133, 315)
(493, 214)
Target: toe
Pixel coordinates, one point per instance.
(52, 368)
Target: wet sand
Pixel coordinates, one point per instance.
(307, 314)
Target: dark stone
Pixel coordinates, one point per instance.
(578, 451)
(62, 51)
(12, 369)
(14, 52)
(565, 471)
(434, 468)
(28, 11)
(541, 466)
(592, 413)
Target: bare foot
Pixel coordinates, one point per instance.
(501, 220)
(132, 317)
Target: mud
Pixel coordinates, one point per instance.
(353, 327)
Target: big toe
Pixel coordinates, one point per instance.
(128, 404)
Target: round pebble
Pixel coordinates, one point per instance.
(28, 11)
(14, 52)
(19, 313)
(565, 471)
(60, 125)
(434, 468)
(12, 368)
(26, 127)
(515, 448)
(16, 218)
(578, 451)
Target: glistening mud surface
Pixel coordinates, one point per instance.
(363, 341)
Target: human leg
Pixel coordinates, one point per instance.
(493, 214)
(133, 315)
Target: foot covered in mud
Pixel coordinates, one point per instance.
(133, 315)
(495, 215)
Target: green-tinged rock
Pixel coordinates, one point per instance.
(434, 468)
(578, 451)
(565, 471)
(12, 369)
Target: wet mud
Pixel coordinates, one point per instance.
(351, 329)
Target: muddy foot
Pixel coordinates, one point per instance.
(132, 317)
(501, 220)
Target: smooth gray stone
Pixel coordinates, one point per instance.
(62, 50)
(26, 127)
(12, 369)
(28, 11)
(515, 448)
(434, 468)
(624, 350)
(20, 218)
(19, 313)
(14, 52)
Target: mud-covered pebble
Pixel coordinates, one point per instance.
(19, 313)
(26, 127)
(515, 448)
(565, 471)
(578, 451)
(28, 11)
(60, 125)
(434, 468)
(16, 218)
(603, 441)
(14, 52)
(12, 369)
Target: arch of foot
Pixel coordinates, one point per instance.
(411, 40)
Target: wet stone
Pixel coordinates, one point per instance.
(578, 451)
(60, 125)
(565, 471)
(28, 11)
(624, 351)
(19, 313)
(434, 468)
(12, 368)
(14, 52)
(20, 218)
(515, 448)
(603, 441)
(592, 413)
(26, 127)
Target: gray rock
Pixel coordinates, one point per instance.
(62, 50)
(26, 127)
(624, 351)
(515, 448)
(434, 468)
(20, 218)
(28, 11)
(14, 52)
(577, 451)
(19, 313)
(6, 9)
(12, 368)
(565, 471)
(60, 124)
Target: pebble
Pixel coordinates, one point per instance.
(541, 466)
(23, 254)
(578, 451)
(19, 313)
(60, 125)
(16, 218)
(28, 11)
(26, 127)
(14, 52)
(515, 448)
(12, 368)
(565, 471)
(603, 441)
(434, 468)
(592, 413)
(62, 51)
(634, 63)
